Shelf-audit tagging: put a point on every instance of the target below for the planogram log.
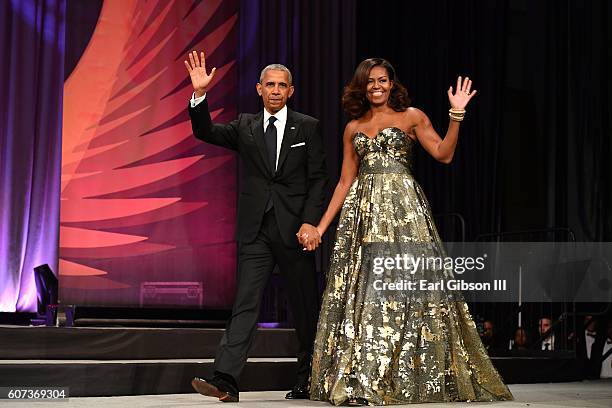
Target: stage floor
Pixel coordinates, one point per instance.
(586, 394)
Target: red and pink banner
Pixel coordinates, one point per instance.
(147, 211)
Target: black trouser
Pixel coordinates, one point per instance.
(256, 260)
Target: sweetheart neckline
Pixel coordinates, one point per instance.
(380, 131)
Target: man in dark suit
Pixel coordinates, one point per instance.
(280, 201)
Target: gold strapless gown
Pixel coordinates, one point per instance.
(405, 346)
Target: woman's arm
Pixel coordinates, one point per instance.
(350, 167)
(440, 149)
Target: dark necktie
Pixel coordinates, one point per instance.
(270, 138)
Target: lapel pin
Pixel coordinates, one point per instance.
(292, 127)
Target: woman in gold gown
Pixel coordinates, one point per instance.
(384, 347)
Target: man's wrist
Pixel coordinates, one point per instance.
(198, 93)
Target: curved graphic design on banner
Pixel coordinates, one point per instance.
(147, 211)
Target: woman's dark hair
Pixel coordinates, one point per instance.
(354, 98)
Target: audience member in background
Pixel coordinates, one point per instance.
(547, 336)
(585, 338)
(521, 339)
(588, 336)
(606, 358)
(489, 337)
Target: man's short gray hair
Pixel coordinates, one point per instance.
(278, 67)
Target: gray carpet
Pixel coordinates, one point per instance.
(587, 394)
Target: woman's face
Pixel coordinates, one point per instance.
(379, 86)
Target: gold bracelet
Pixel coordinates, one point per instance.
(456, 114)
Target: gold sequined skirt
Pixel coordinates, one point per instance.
(394, 346)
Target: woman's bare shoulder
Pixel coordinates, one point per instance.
(351, 129)
(414, 113)
(416, 117)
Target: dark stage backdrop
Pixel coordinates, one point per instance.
(316, 40)
(147, 211)
(534, 150)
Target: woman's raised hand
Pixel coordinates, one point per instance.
(460, 99)
(200, 79)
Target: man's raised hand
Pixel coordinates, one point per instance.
(200, 79)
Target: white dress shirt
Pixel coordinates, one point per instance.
(588, 342)
(606, 365)
(281, 121)
(549, 343)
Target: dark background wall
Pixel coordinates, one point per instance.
(533, 152)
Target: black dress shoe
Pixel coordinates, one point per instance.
(217, 388)
(298, 392)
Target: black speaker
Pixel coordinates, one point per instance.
(46, 287)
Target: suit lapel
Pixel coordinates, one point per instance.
(291, 128)
(258, 135)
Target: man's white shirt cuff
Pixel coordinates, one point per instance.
(195, 101)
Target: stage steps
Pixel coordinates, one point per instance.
(88, 378)
(99, 361)
(139, 361)
(118, 343)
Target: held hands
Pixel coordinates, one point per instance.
(309, 237)
(197, 72)
(460, 99)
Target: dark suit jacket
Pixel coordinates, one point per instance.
(297, 187)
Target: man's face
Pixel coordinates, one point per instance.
(544, 326)
(275, 89)
(590, 323)
(520, 337)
